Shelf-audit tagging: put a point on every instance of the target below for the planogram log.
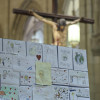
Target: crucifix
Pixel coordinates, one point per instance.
(59, 28)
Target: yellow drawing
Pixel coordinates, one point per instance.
(43, 73)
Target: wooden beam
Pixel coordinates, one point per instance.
(52, 16)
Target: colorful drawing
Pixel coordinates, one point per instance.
(27, 78)
(43, 93)
(80, 60)
(65, 57)
(6, 60)
(78, 78)
(34, 50)
(61, 93)
(59, 76)
(11, 92)
(14, 46)
(50, 55)
(9, 77)
(43, 73)
(25, 93)
(23, 64)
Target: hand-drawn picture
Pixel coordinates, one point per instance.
(43, 73)
(43, 92)
(59, 76)
(25, 93)
(9, 77)
(23, 64)
(76, 93)
(80, 60)
(78, 78)
(61, 93)
(27, 79)
(0, 44)
(50, 55)
(14, 46)
(34, 50)
(6, 60)
(11, 92)
(65, 57)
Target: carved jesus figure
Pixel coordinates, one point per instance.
(59, 29)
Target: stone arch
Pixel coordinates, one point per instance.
(20, 20)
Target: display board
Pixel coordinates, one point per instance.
(33, 71)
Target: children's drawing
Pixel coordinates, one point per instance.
(50, 55)
(14, 46)
(43, 73)
(43, 93)
(11, 92)
(34, 50)
(27, 78)
(65, 57)
(78, 78)
(61, 93)
(76, 93)
(80, 60)
(25, 93)
(0, 44)
(59, 76)
(9, 77)
(6, 60)
(23, 63)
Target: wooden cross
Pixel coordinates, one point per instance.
(54, 16)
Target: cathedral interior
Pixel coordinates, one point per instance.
(81, 35)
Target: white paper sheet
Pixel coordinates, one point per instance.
(65, 57)
(43, 93)
(14, 46)
(80, 60)
(9, 77)
(50, 55)
(23, 63)
(78, 78)
(76, 92)
(34, 51)
(27, 78)
(59, 76)
(6, 60)
(61, 93)
(0, 44)
(25, 93)
(80, 98)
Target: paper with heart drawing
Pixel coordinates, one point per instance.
(78, 78)
(27, 79)
(34, 50)
(43, 93)
(59, 76)
(14, 46)
(50, 55)
(23, 63)
(65, 57)
(61, 93)
(43, 73)
(11, 92)
(80, 60)
(9, 77)
(25, 93)
(6, 60)
(0, 44)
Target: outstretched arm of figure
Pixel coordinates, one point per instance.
(42, 19)
(74, 22)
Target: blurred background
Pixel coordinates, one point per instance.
(83, 36)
